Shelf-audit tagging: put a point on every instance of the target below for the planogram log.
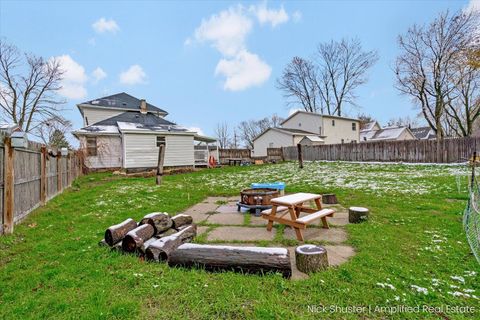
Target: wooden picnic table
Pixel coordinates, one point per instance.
(293, 204)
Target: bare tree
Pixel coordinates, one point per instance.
(424, 67)
(403, 122)
(298, 83)
(28, 87)
(342, 68)
(223, 135)
(365, 119)
(53, 131)
(250, 129)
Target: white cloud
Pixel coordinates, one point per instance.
(242, 71)
(103, 25)
(196, 129)
(98, 74)
(473, 5)
(74, 78)
(297, 16)
(272, 16)
(226, 31)
(134, 75)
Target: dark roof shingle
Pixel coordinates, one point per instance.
(123, 101)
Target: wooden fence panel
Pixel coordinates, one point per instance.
(51, 177)
(2, 153)
(26, 182)
(414, 151)
(225, 154)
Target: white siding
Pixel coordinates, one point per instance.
(305, 121)
(92, 116)
(109, 152)
(141, 150)
(274, 137)
(342, 130)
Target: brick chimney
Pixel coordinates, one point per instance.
(143, 106)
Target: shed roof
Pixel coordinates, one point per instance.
(314, 138)
(423, 133)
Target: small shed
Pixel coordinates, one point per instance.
(311, 141)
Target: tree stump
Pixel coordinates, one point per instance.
(115, 233)
(158, 220)
(329, 198)
(311, 258)
(357, 214)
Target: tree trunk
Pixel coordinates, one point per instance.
(245, 259)
(135, 238)
(161, 249)
(300, 155)
(311, 258)
(329, 198)
(357, 214)
(116, 233)
(158, 220)
(181, 220)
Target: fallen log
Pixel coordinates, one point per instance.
(180, 220)
(161, 249)
(143, 248)
(166, 233)
(158, 220)
(116, 232)
(135, 238)
(257, 260)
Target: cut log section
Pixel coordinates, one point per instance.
(166, 233)
(181, 220)
(329, 198)
(244, 259)
(158, 220)
(357, 214)
(143, 248)
(135, 238)
(310, 258)
(161, 249)
(116, 232)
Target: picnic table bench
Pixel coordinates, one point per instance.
(293, 204)
(234, 161)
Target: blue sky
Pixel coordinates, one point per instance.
(209, 61)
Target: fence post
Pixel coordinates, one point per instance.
(43, 176)
(69, 168)
(59, 172)
(300, 155)
(282, 154)
(8, 185)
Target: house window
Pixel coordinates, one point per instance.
(354, 126)
(91, 146)
(299, 124)
(320, 130)
(364, 138)
(160, 141)
(343, 140)
(333, 123)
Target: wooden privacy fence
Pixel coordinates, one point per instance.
(30, 177)
(422, 151)
(225, 154)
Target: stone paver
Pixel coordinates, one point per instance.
(235, 218)
(214, 200)
(257, 221)
(339, 254)
(201, 230)
(340, 218)
(333, 235)
(201, 211)
(241, 234)
(226, 208)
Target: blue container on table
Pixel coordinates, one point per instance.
(280, 186)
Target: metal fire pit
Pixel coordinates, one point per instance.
(256, 200)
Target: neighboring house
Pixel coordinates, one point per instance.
(320, 129)
(373, 132)
(9, 128)
(423, 133)
(122, 131)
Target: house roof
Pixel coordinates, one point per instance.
(122, 101)
(369, 126)
(316, 114)
(132, 121)
(292, 132)
(389, 133)
(423, 133)
(314, 138)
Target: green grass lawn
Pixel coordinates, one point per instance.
(412, 252)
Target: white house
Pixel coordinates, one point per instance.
(315, 127)
(122, 131)
(373, 132)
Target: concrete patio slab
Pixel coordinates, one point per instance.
(235, 218)
(340, 218)
(227, 208)
(241, 234)
(257, 221)
(332, 235)
(339, 254)
(201, 230)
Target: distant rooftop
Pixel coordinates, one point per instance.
(423, 133)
